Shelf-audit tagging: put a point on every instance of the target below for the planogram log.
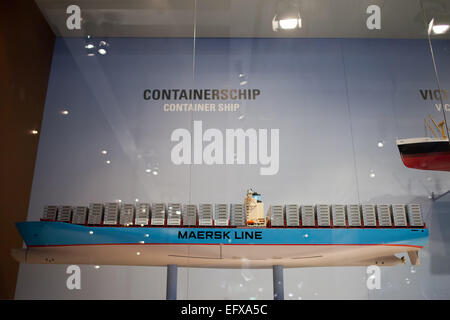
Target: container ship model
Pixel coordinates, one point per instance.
(225, 236)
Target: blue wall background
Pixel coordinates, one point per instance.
(333, 100)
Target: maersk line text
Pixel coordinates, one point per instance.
(221, 235)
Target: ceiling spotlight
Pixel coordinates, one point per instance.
(89, 46)
(289, 23)
(65, 112)
(102, 47)
(34, 132)
(440, 24)
(148, 170)
(242, 80)
(440, 28)
(287, 16)
(104, 152)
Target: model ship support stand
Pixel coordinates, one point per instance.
(278, 283)
(255, 217)
(172, 282)
(171, 286)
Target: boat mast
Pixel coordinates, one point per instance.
(434, 65)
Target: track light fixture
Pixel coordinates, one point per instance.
(287, 16)
(439, 24)
(102, 47)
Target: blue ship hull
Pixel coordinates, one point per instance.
(58, 242)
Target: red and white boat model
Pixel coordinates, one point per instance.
(429, 153)
(425, 153)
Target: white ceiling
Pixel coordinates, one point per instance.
(240, 18)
